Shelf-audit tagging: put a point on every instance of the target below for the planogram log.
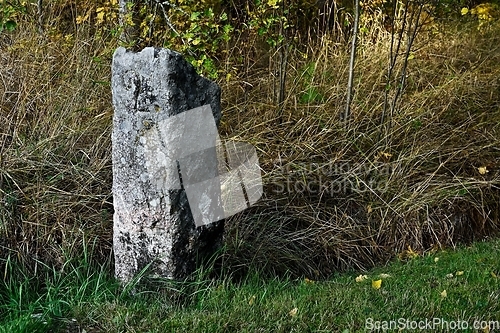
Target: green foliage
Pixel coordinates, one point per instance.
(311, 93)
(9, 13)
(202, 31)
(266, 20)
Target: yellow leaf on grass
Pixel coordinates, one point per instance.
(408, 254)
(483, 170)
(494, 275)
(436, 259)
(361, 278)
(293, 312)
(376, 284)
(458, 273)
(307, 281)
(384, 155)
(411, 253)
(251, 300)
(444, 294)
(464, 11)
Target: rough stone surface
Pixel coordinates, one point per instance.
(153, 223)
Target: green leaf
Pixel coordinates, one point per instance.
(10, 25)
(195, 16)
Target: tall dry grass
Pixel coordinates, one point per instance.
(339, 197)
(55, 169)
(336, 196)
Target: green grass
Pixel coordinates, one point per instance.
(81, 298)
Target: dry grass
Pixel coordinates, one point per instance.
(412, 181)
(55, 139)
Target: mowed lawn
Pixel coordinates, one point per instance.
(445, 291)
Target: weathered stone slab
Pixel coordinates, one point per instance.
(158, 147)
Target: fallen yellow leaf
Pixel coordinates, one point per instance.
(293, 312)
(482, 170)
(361, 278)
(458, 273)
(385, 155)
(444, 294)
(408, 254)
(494, 275)
(376, 284)
(307, 281)
(436, 259)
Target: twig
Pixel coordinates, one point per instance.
(40, 16)
(347, 113)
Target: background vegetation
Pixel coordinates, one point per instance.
(414, 169)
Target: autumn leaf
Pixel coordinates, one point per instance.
(483, 170)
(376, 284)
(81, 19)
(408, 254)
(458, 273)
(293, 312)
(361, 278)
(444, 294)
(436, 259)
(100, 16)
(308, 281)
(384, 156)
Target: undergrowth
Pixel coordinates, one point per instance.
(336, 196)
